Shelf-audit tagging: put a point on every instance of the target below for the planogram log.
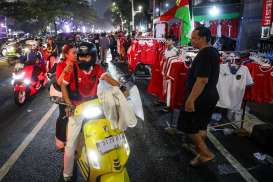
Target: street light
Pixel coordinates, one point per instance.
(214, 11)
(134, 13)
(167, 5)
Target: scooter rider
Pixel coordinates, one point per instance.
(77, 87)
(51, 53)
(33, 57)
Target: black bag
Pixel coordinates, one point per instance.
(263, 135)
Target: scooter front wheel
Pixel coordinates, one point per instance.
(20, 97)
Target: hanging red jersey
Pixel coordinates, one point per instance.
(262, 90)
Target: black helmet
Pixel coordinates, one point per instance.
(87, 48)
(84, 49)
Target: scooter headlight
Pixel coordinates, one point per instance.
(92, 112)
(10, 49)
(4, 52)
(94, 158)
(126, 146)
(26, 81)
(18, 76)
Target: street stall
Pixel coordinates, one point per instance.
(249, 72)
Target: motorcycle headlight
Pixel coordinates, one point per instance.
(10, 49)
(26, 81)
(18, 76)
(92, 112)
(94, 158)
(4, 52)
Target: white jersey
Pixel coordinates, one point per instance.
(171, 53)
(231, 87)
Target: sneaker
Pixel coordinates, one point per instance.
(68, 179)
(158, 103)
(166, 109)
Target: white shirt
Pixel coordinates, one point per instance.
(219, 30)
(231, 87)
(170, 53)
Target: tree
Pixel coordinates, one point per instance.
(35, 15)
(121, 10)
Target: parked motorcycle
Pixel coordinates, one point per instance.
(24, 82)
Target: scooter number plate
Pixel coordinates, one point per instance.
(111, 143)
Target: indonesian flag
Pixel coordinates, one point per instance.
(183, 13)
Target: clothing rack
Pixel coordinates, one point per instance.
(159, 39)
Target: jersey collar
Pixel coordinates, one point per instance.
(89, 72)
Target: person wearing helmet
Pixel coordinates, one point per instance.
(32, 56)
(77, 87)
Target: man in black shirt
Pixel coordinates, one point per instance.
(201, 94)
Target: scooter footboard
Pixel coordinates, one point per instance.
(116, 177)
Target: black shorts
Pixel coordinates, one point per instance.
(61, 124)
(193, 122)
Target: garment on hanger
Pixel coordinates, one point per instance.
(177, 74)
(262, 90)
(231, 86)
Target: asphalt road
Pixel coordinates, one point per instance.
(155, 155)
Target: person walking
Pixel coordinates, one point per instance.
(113, 46)
(104, 46)
(201, 95)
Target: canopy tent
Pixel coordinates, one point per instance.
(169, 14)
(181, 12)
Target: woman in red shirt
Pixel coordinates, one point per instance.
(63, 68)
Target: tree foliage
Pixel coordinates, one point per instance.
(35, 15)
(122, 11)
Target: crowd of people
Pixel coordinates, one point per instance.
(80, 62)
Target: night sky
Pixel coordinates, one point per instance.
(101, 6)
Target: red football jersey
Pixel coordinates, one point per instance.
(213, 28)
(155, 86)
(262, 90)
(178, 75)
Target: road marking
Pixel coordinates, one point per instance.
(234, 162)
(18, 152)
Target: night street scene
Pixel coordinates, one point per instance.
(136, 90)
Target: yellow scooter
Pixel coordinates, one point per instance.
(102, 152)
